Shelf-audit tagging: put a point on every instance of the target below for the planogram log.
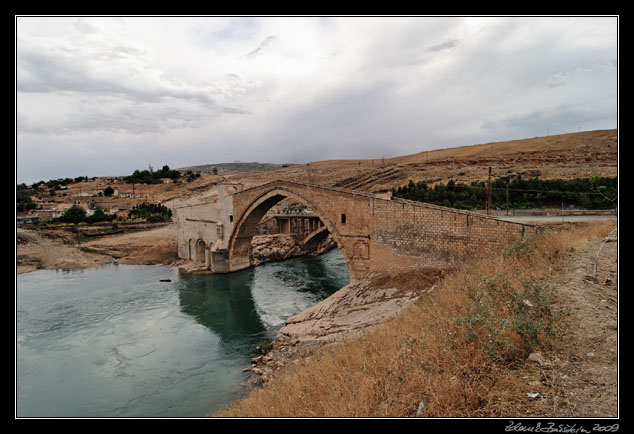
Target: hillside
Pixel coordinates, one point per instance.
(232, 167)
(563, 156)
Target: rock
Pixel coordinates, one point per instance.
(274, 248)
(534, 395)
(536, 357)
(421, 408)
(361, 304)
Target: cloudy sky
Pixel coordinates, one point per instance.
(103, 96)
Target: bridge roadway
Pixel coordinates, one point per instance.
(556, 219)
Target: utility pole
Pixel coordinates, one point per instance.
(507, 196)
(489, 193)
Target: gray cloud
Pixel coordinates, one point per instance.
(102, 62)
(267, 42)
(563, 118)
(395, 86)
(115, 88)
(444, 46)
(110, 115)
(46, 71)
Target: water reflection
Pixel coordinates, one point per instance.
(223, 303)
(252, 304)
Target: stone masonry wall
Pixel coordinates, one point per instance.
(410, 235)
(387, 235)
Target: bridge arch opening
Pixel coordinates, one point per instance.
(314, 237)
(245, 226)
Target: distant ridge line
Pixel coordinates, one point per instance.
(235, 167)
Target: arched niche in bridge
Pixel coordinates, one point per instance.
(200, 251)
(245, 226)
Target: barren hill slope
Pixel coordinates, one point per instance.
(564, 156)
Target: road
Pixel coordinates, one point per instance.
(556, 219)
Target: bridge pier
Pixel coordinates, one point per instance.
(219, 261)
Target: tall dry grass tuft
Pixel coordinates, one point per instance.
(448, 356)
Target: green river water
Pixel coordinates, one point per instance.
(116, 341)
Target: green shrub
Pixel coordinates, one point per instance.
(595, 192)
(533, 314)
(523, 248)
(152, 212)
(506, 322)
(74, 214)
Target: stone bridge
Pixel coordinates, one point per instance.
(375, 232)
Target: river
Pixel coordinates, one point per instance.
(149, 341)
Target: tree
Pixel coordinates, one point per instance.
(109, 191)
(23, 198)
(607, 194)
(98, 216)
(74, 214)
(151, 212)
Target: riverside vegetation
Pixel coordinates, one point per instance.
(595, 192)
(461, 351)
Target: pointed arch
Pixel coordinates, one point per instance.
(245, 224)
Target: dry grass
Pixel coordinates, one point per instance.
(452, 355)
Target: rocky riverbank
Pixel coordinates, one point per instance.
(346, 314)
(280, 247)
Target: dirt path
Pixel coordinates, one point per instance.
(592, 349)
(579, 378)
